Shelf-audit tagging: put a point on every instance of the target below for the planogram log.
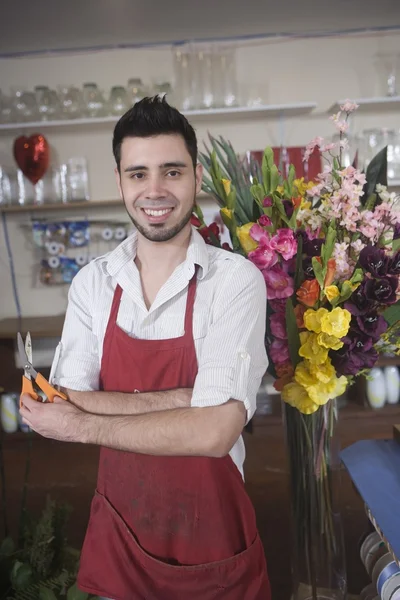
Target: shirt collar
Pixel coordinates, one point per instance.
(197, 254)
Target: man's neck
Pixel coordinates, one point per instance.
(162, 257)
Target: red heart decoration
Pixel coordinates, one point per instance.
(32, 156)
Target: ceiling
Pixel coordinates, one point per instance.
(48, 25)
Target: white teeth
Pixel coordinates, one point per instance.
(157, 213)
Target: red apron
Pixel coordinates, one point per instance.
(167, 528)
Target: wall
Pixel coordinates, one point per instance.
(320, 70)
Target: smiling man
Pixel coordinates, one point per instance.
(161, 356)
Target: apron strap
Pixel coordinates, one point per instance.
(112, 319)
(190, 304)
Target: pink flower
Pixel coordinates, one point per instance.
(267, 201)
(328, 147)
(264, 221)
(278, 306)
(279, 284)
(260, 235)
(278, 325)
(263, 257)
(279, 352)
(284, 242)
(348, 106)
(315, 143)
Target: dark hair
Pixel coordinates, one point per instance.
(150, 117)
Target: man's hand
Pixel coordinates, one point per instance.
(58, 420)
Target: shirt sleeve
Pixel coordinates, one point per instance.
(76, 363)
(233, 359)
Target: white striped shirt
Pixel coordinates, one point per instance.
(228, 322)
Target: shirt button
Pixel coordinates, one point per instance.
(244, 355)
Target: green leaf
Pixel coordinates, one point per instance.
(292, 333)
(281, 209)
(370, 203)
(376, 173)
(291, 178)
(392, 314)
(357, 276)
(46, 594)
(7, 547)
(345, 292)
(396, 245)
(21, 575)
(266, 175)
(318, 271)
(274, 178)
(329, 244)
(257, 192)
(74, 593)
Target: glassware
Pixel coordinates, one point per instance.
(203, 71)
(48, 103)
(318, 557)
(94, 102)
(162, 89)
(119, 100)
(25, 190)
(24, 105)
(78, 181)
(71, 101)
(136, 90)
(185, 82)
(5, 188)
(387, 65)
(6, 109)
(225, 82)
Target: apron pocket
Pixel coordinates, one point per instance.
(115, 565)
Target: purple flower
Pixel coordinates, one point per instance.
(308, 268)
(357, 353)
(373, 260)
(394, 264)
(267, 202)
(372, 325)
(289, 208)
(396, 231)
(277, 324)
(277, 305)
(313, 247)
(382, 290)
(358, 303)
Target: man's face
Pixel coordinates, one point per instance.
(158, 185)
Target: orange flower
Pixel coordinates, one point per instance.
(296, 201)
(308, 292)
(285, 374)
(330, 271)
(299, 311)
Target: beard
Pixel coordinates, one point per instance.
(160, 232)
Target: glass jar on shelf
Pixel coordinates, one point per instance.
(203, 71)
(119, 100)
(71, 101)
(48, 103)
(225, 81)
(136, 90)
(24, 105)
(6, 109)
(78, 180)
(95, 105)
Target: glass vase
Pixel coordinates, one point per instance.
(318, 558)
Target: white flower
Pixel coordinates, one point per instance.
(349, 107)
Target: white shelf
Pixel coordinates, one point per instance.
(383, 104)
(394, 183)
(212, 114)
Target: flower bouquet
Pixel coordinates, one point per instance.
(329, 251)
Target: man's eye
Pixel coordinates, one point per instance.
(173, 173)
(137, 176)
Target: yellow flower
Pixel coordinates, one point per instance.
(227, 212)
(312, 319)
(245, 239)
(280, 189)
(336, 322)
(227, 186)
(310, 348)
(295, 395)
(322, 392)
(302, 374)
(329, 341)
(332, 292)
(324, 372)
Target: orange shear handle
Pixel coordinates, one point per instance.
(48, 389)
